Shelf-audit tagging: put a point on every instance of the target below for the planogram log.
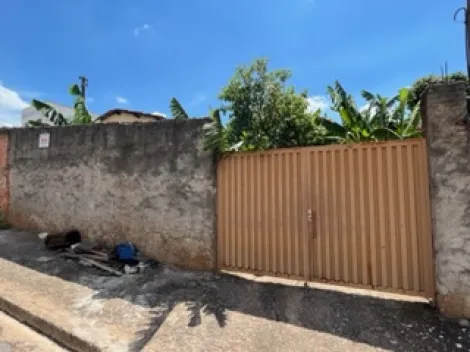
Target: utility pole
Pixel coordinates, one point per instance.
(84, 83)
(467, 46)
(467, 36)
(467, 31)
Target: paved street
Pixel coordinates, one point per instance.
(166, 309)
(16, 337)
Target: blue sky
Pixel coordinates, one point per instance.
(137, 54)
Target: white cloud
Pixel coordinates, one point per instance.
(367, 107)
(121, 100)
(198, 99)
(140, 29)
(158, 113)
(11, 105)
(9, 99)
(316, 102)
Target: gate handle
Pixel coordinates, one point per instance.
(309, 215)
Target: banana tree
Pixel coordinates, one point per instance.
(81, 116)
(216, 136)
(383, 119)
(56, 118)
(379, 107)
(404, 123)
(177, 110)
(355, 126)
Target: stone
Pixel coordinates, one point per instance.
(464, 322)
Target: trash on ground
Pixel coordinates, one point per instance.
(131, 269)
(61, 239)
(121, 260)
(102, 266)
(42, 235)
(126, 252)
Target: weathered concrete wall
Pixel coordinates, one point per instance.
(4, 172)
(151, 184)
(444, 109)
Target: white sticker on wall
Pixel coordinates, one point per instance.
(44, 139)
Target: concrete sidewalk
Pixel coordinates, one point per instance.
(165, 309)
(16, 337)
(83, 308)
(244, 333)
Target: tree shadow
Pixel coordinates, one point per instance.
(389, 324)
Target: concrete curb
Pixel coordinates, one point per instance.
(48, 329)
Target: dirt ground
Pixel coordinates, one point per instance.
(239, 313)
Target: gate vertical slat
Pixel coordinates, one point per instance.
(306, 217)
(373, 228)
(404, 233)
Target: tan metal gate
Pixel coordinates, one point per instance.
(349, 214)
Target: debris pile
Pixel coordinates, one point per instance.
(123, 259)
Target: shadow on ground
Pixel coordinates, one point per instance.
(387, 324)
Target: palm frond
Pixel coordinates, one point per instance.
(54, 116)
(368, 96)
(414, 121)
(399, 113)
(383, 134)
(215, 136)
(391, 102)
(36, 123)
(75, 90)
(403, 95)
(82, 116)
(334, 129)
(177, 110)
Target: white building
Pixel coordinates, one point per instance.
(30, 113)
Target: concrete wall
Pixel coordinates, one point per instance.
(151, 184)
(4, 173)
(444, 110)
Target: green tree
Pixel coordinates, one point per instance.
(421, 84)
(383, 118)
(263, 112)
(56, 118)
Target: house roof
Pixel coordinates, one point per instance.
(137, 114)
